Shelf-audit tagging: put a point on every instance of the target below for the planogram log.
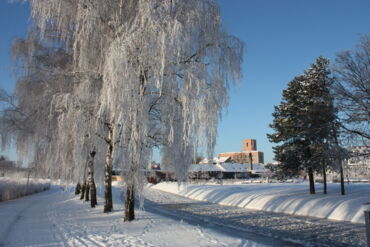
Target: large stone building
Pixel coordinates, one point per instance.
(249, 152)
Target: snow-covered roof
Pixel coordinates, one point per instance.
(245, 152)
(214, 160)
(227, 167)
(222, 159)
(204, 161)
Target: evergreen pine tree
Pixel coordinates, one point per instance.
(304, 123)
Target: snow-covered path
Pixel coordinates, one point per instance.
(23, 218)
(57, 218)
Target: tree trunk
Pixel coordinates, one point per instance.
(87, 192)
(108, 203)
(342, 191)
(130, 204)
(78, 189)
(340, 158)
(91, 180)
(250, 162)
(311, 180)
(83, 188)
(93, 200)
(85, 184)
(324, 177)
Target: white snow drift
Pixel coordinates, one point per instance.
(283, 198)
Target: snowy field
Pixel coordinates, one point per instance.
(282, 198)
(12, 188)
(58, 218)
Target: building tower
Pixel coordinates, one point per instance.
(249, 155)
(249, 145)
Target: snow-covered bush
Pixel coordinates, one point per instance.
(11, 188)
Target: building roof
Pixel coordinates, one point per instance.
(215, 160)
(227, 167)
(241, 152)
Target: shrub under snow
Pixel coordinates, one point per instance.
(11, 188)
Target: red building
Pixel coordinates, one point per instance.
(249, 153)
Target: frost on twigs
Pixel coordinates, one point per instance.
(161, 70)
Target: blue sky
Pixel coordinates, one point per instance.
(282, 37)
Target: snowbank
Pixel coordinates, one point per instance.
(11, 188)
(283, 198)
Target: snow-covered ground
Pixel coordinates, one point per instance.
(13, 187)
(58, 218)
(282, 198)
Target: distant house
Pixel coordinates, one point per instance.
(250, 154)
(224, 170)
(218, 168)
(245, 164)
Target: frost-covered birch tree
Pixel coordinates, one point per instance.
(173, 73)
(166, 67)
(39, 83)
(49, 118)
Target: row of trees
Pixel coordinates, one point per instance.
(320, 112)
(103, 82)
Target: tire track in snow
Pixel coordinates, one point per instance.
(79, 233)
(4, 235)
(212, 241)
(198, 222)
(73, 233)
